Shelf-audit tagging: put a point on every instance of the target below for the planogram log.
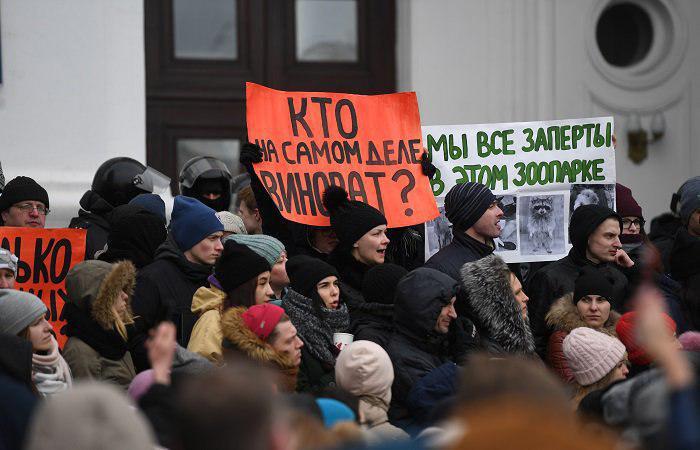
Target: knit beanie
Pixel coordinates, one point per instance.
(262, 319)
(192, 221)
(232, 223)
(20, 189)
(334, 411)
(151, 203)
(689, 198)
(18, 310)
(466, 203)
(305, 272)
(8, 260)
(626, 333)
(238, 264)
(591, 354)
(350, 219)
(266, 246)
(592, 281)
(379, 283)
(364, 368)
(625, 204)
(584, 222)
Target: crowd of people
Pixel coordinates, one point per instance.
(218, 330)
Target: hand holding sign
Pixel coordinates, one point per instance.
(368, 145)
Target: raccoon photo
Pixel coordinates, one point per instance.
(541, 223)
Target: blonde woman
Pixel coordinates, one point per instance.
(98, 313)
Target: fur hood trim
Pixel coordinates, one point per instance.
(122, 277)
(240, 337)
(492, 306)
(563, 316)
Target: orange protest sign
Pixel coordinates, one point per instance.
(368, 144)
(45, 257)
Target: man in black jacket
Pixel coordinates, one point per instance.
(182, 264)
(594, 232)
(424, 310)
(474, 213)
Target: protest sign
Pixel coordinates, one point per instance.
(539, 171)
(368, 144)
(45, 257)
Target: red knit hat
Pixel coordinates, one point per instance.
(625, 329)
(262, 319)
(626, 205)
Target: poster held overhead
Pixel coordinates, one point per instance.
(370, 145)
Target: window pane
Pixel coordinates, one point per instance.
(205, 29)
(227, 150)
(326, 30)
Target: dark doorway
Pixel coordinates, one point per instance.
(199, 54)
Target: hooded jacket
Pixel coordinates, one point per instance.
(93, 218)
(415, 348)
(135, 235)
(238, 336)
(164, 291)
(562, 318)
(493, 308)
(95, 350)
(206, 334)
(461, 250)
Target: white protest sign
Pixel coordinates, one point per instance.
(539, 171)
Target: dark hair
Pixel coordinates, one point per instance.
(243, 295)
(271, 338)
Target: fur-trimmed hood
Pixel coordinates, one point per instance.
(237, 336)
(93, 287)
(563, 316)
(492, 306)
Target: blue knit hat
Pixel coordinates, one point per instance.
(266, 246)
(192, 221)
(151, 203)
(334, 411)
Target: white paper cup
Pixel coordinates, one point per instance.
(342, 340)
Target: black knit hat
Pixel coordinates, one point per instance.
(592, 281)
(20, 189)
(379, 283)
(466, 203)
(350, 219)
(584, 221)
(237, 265)
(305, 272)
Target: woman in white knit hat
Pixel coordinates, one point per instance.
(596, 360)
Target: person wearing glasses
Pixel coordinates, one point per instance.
(24, 203)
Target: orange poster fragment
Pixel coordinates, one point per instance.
(368, 144)
(45, 257)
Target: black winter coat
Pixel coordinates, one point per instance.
(164, 291)
(93, 217)
(375, 322)
(553, 281)
(415, 348)
(463, 249)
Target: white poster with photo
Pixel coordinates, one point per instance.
(539, 171)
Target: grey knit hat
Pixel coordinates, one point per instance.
(8, 260)
(266, 246)
(689, 198)
(18, 310)
(466, 203)
(232, 223)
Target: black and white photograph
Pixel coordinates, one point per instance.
(438, 233)
(508, 241)
(542, 227)
(591, 194)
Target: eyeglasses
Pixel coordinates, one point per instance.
(28, 207)
(627, 223)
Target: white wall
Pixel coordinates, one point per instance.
(72, 93)
(477, 61)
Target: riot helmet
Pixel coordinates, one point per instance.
(120, 179)
(208, 180)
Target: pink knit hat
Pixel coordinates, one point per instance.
(591, 354)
